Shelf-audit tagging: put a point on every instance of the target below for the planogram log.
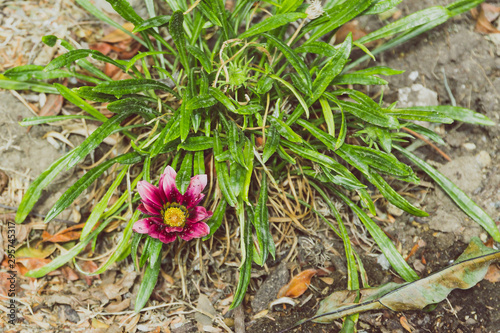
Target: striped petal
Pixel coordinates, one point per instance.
(142, 226)
(194, 189)
(150, 194)
(147, 209)
(196, 230)
(167, 185)
(199, 213)
(167, 237)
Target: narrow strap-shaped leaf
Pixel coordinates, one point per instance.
(63, 258)
(426, 132)
(35, 189)
(246, 264)
(102, 205)
(131, 86)
(199, 163)
(136, 239)
(184, 175)
(75, 99)
(153, 22)
(74, 55)
(369, 115)
(185, 122)
(88, 93)
(200, 101)
(363, 79)
(201, 56)
(328, 115)
(141, 55)
(292, 89)
(42, 87)
(456, 194)
(381, 6)
(272, 143)
(294, 60)
(197, 143)
(385, 244)
(150, 276)
(272, 23)
(177, 31)
(454, 112)
(29, 72)
(249, 109)
(223, 99)
(261, 220)
(235, 143)
(82, 183)
(222, 173)
(249, 159)
(406, 23)
(236, 178)
(285, 130)
(337, 16)
(30, 121)
(322, 48)
(126, 11)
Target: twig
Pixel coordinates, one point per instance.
(442, 153)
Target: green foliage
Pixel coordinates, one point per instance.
(236, 78)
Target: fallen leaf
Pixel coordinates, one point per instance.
(491, 12)
(69, 273)
(298, 285)
(102, 47)
(52, 106)
(483, 25)
(89, 267)
(466, 271)
(327, 280)
(493, 274)
(118, 306)
(98, 324)
(65, 235)
(27, 264)
(118, 35)
(350, 27)
(36, 251)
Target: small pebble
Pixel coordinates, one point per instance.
(484, 159)
(469, 146)
(413, 75)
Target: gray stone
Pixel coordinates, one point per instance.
(269, 289)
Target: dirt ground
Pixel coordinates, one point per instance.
(471, 65)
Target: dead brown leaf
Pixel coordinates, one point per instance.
(493, 274)
(350, 27)
(118, 35)
(69, 273)
(52, 106)
(27, 264)
(118, 306)
(65, 235)
(298, 285)
(483, 25)
(405, 324)
(89, 267)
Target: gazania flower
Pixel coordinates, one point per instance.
(171, 213)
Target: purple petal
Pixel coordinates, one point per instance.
(142, 226)
(150, 194)
(195, 202)
(196, 230)
(194, 189)
(168, 185)
(167, 237)
(147, 209)
(199, 213)
(154, 231)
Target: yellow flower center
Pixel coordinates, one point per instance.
(174, 215)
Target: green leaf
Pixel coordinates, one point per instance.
(153, 22)
(380, 6)
(426, 132)
(199, 163)
(177, 32)
(85, 181)
(354, 78)
(75, 99)
(284, 130)
(406, 23)
(150, 276)
(63, 258)
(294, 60)
(133, 105)
(236, 178)
(289, 6)
(261, 222)
(101, 206)
(197, 143)
(370, 115)
(246, 263)
(222, 173)
(201, 56)
(184, 175)
(28, 72)
(379, 70)
(419, 114)
(335, 17)
(35, 189)
(200, 101)
(222, 98)
(74, 55)
(328, 115)
(216, 219)
(248, 152)
(272, 23)
(456, 194)
(292, 89)
(322, 48)
(385, 244)
(235, 144)
(272, 143)
(141, 55)
(131, 86)
(185, 122)
(447, 111)
(50, 119)
(88, 93)
(9, 84)
(249, 109)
